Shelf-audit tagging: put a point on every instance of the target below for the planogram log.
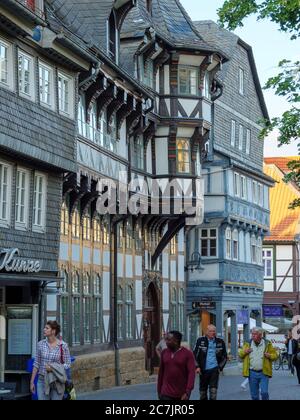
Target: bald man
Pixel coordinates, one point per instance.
(211, 357)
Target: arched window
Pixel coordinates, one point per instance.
(183, 156)
(106, 235)
(174, 309)
(129, 234)
(86, 226)
(64, 221)
(97, 230)
(76, 224)
(112, 37)
(129, 311)
(97, 309)
(120, 312)
(181, 311)
(235, 244)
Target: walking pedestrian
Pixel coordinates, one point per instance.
(296, 359)
(291, 347)
(162, 345)
(176, 376)
(52, 361)
(257, 356)
(211, 357)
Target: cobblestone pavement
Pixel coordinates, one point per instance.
(283, 386)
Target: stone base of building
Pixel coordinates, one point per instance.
(93, 372)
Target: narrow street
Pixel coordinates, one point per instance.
(283, 386)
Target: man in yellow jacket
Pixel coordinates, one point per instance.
(258, 356)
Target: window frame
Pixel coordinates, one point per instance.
(241, 136)
(236, 184)
(71, 94)
(243, 187)
(6, 223)
(31, 95)
(51, 105)
(19, 225)
(35, 227)
(235, 245)
(228, 240)
(9, 65)
(233, 133)
(185, 152)
(248, 141)
(241, 81)
(209, 238)
(188, 69)
(266, 258)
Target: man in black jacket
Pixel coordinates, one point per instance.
(291, 348)
(211, 357)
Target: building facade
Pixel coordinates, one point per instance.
(226, 288)
(37, 146)
(281, 249)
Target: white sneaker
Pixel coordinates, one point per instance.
(244, 388)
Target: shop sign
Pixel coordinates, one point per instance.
(204, 305)
(11, 262)
(274, 311)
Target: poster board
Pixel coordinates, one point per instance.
(19, 336)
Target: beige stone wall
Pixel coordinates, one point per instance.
(96, 371)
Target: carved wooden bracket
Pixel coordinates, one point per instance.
(105, 99)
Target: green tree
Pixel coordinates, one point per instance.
(286, 14)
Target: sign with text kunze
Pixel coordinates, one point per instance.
(272, 311)
(11, 262)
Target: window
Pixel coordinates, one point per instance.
(228, 243)
(183, 156)
(138, 153)
(111, 137)
(86, 225)
(76, 224)
(64, 305)
(102, 128)
(6, 64)
(138, 238)
(97, 309)
(129, 311)
(173, 246)
(81, 118)
(92, 125)
(39, 203)
(174, 309)
(232, 135)
(241, 137)
(76, 309)
(235, 243)
(65, 95)
(208, 242)
(188, 80)
(267, 255)
(248, 141)
(26, 75)
(243, 187)
(241, 81)
(206, 87)
(120, 231)
(253, 250)
(237, 184)
(5, 194)
(198, 164)
(46, 85)
(129, 235)
(22, 199)
(181, 311)
(97, 230)
(112, 37)
(120, 312)
(64, 222)
(105, 232)
(149, 6)
(149, 73)
(254, 192)
(87, 308)
(259, 251)
(260, 194)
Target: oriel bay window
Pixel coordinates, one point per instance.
(183, 156)
(209, 242)
(5, 194)
(188, 80)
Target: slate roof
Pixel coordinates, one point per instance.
(227, 41)
(285, 223)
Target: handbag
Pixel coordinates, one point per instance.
(70, 393)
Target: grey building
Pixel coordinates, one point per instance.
(227, 287)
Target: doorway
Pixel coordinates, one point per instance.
(152, 327)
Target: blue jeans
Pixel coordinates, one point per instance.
(53, 396)
(259, 382)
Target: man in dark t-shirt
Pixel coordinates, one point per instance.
(176, 376)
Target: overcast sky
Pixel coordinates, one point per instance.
(269, 47)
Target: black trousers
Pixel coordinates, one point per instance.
(291, 365)
(209, 379)
(297, 366)
(167, 398)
